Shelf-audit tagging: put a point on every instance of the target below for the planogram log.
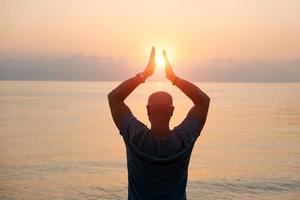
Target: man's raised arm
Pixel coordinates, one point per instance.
(117, 97)
(199, 98)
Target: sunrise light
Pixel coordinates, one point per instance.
(160, 62)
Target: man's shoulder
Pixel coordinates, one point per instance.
(189, 129)
(131, 126)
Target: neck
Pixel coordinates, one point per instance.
(160, 131)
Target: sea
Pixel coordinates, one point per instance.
(58, 140)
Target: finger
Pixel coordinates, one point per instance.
(166, 57)
(152, 55)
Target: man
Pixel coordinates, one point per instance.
(158, 158)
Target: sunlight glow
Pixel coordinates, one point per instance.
(160, 62)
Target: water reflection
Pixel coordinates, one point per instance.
(58, 140)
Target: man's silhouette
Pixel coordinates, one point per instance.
(158, 158)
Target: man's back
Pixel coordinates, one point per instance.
(158, 169)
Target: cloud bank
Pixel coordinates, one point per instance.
(247, 71)
(91, 68)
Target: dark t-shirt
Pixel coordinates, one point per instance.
(158, 169)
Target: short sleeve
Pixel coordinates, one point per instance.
(188, 130)
(130, 127)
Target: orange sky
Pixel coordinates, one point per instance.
(189, 30)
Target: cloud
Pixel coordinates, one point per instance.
(78, 67)
(74, 67)
(247, 71)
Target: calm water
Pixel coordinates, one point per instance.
(58, 141)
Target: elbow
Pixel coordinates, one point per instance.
(110, 96)
(207, 100)
(202, 100)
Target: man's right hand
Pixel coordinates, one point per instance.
(168, 68)
(151, 64)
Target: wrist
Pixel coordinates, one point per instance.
(173, 79)
(145, 75)
(141, 76)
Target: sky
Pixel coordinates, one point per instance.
(254, 40)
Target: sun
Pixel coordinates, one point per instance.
(160, 62)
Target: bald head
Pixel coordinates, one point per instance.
(160, 107)
(160, 99)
